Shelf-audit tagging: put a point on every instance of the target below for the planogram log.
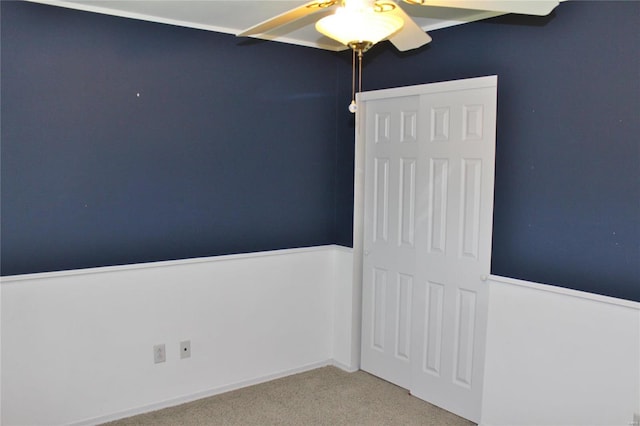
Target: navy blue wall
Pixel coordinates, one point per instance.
(567, 194)
(236, 145)
(125, 142)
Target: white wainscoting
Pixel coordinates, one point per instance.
(77, 345)
(560, 357)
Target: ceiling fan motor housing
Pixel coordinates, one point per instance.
(361, 23)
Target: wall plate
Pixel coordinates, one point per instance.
(185, 349)
(159, 353)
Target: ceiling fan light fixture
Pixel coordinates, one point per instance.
(353, 26)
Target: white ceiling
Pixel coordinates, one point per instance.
(233, 16)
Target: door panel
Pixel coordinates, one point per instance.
(390, 233)
(429, 169)
(456, 253)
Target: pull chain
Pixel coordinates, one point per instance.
(359, 71)
(357, 47)
(352, 105)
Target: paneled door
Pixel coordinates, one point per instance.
(390, 254)
(428, 212)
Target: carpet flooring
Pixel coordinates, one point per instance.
(324, 396)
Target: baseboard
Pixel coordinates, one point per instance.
(343, 367)
(204, 394)
(211, 392)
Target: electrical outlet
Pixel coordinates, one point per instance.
(185, 349)
(159, 353)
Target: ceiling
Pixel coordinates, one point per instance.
(233, 16)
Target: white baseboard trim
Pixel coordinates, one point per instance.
(211, 392)
(204, 394)
(343, 367)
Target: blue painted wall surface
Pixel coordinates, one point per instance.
(125, 142)
(567, 192)
(237, 146)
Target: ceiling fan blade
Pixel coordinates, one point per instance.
(525, 7)
(410, 36)
(287, 17)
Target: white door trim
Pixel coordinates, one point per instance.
(421, 89)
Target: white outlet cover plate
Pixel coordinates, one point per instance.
(159, 353)
(185, 349)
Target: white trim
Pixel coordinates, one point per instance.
(204, 394)
(566, 292)
(341, 248)
(343, 367)
(11, 279)
(438, 87)
(211, 392)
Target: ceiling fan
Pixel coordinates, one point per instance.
(385, 19)
(359, 24)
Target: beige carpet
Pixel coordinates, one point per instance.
(325, 396)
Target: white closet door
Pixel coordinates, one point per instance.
(390, 252)
(429, 174)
